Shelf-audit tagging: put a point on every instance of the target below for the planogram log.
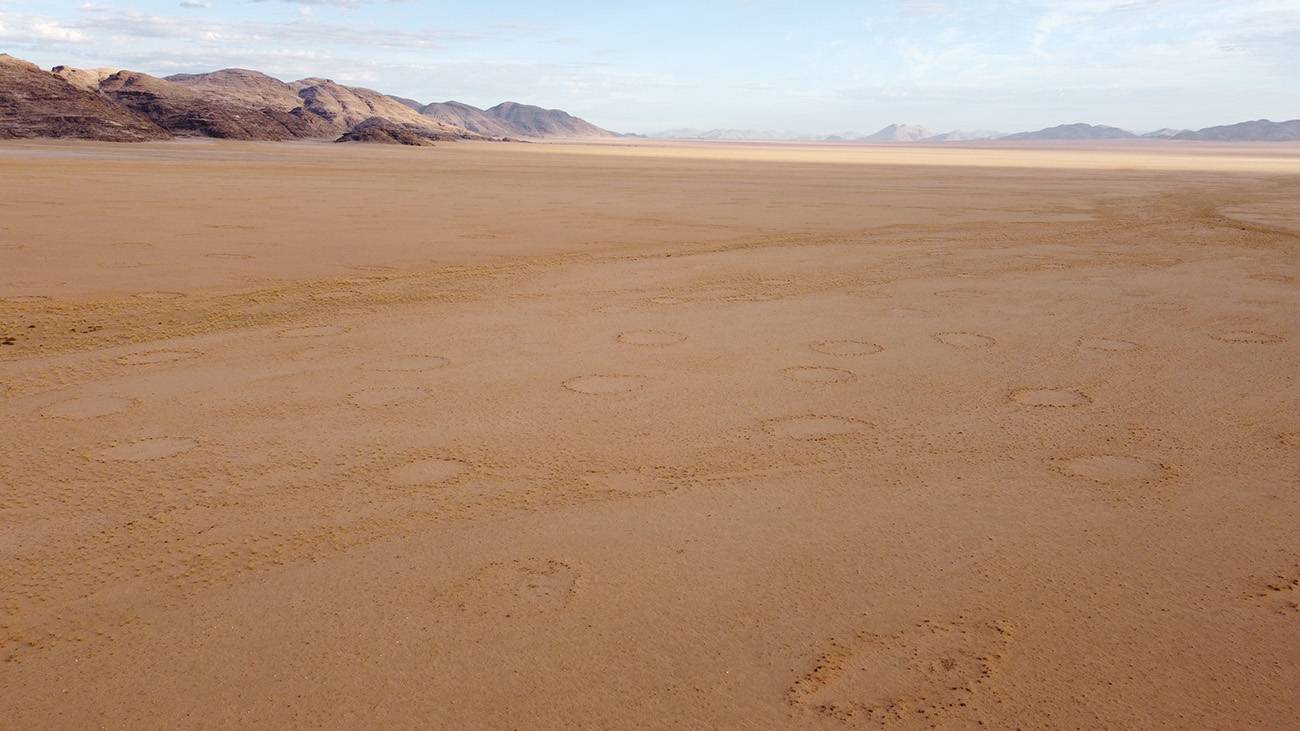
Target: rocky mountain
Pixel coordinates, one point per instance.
(184, 112)
(1074, 132)
(386, 132)
(243, 87)
(37, 103)
(530, 121)
(348, 106)
(471, 118)
(338, 108)
(898, 133)
(1260, 130)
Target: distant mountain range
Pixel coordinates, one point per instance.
(1258, 131)
(899, 133)
(735, 135)
(1163, 134)
(892, 133)
(118, 105)
(1074, 132)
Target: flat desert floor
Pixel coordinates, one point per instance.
(654, 436)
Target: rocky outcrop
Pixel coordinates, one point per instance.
(37, 103)
(87, 79)
(378, 130)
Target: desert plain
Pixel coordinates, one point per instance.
(649, 436)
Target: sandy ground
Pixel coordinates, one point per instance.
(533, 436)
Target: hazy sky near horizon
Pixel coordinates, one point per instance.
(810, 67)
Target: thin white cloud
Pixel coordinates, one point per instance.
(28, 30)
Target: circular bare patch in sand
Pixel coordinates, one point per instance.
(1248, 336)
(1273, 277)
(658, 338)
(388, 396)
(143, 450)
(635, 482)
(367, 280)
(846, 347)
(1055, 397)
(817, 374)
(427, 471)
(90, 407)
(312, 331)
(411, 363)
(718, 293)
(1163, 306)
(335, 295)
(157, 356)
(1109, 345)
(965, 340)
(601, 384)
(161, 295)
(812, 427)
(666, 299)
(1111, 468)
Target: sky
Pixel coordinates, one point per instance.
(805, 67)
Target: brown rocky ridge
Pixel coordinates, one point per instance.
(36, 103)
(184, 112)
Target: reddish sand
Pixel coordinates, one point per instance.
(654, 436)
